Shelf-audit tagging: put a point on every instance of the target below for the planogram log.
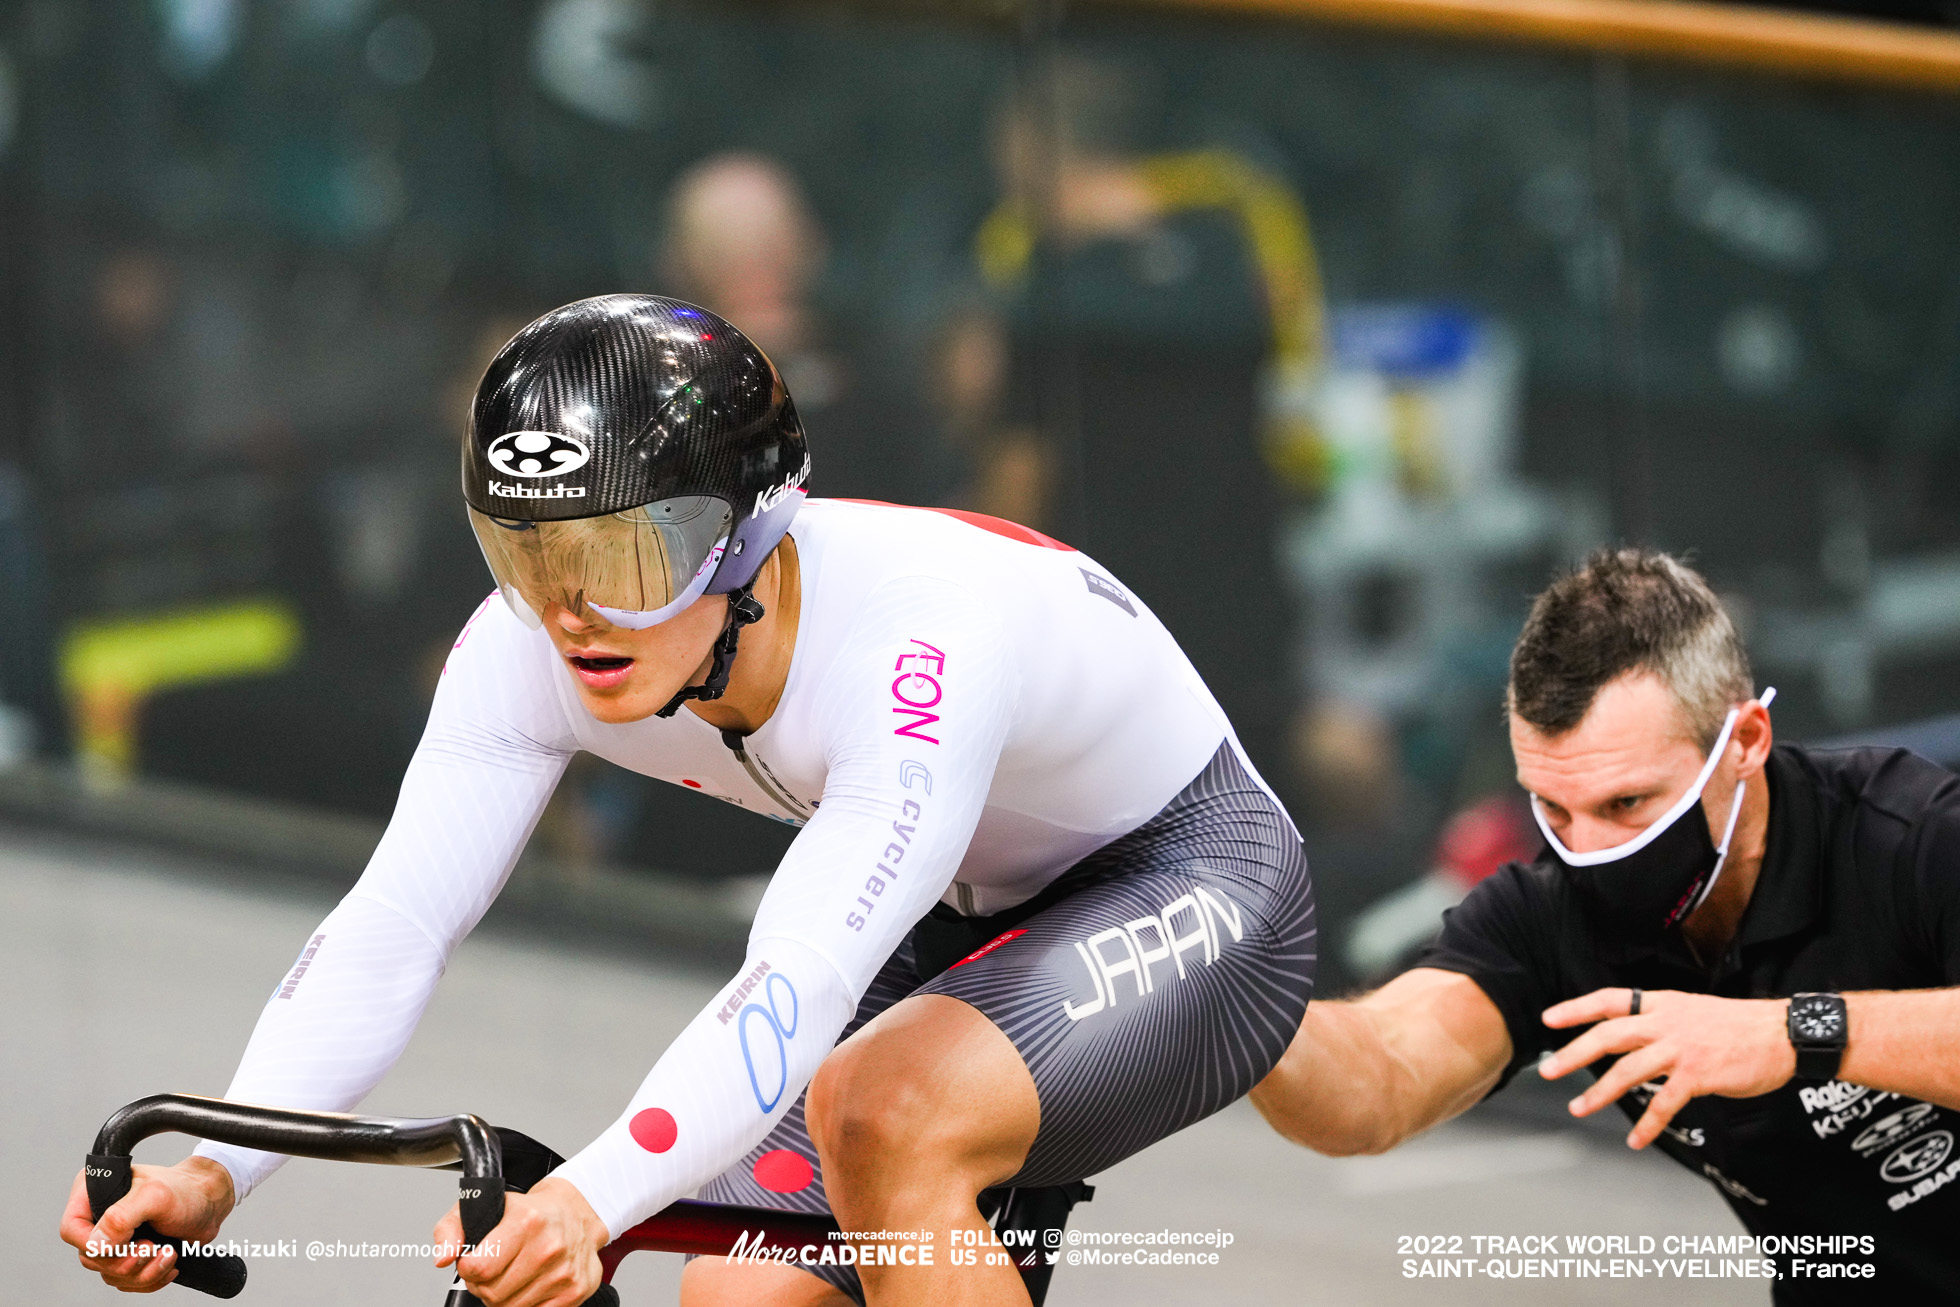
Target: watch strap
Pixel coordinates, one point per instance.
(1815, 1063)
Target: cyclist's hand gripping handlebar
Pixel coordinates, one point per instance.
(432, 1141)
(107, 1176)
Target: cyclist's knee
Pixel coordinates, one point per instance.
(936, 1085)
(865, 1103)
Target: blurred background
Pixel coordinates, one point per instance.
(1332, 328)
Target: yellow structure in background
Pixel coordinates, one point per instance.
(1827, 47)
(108, 668)
(1273, 223)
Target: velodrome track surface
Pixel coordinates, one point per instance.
(125, 972)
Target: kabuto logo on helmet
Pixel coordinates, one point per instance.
(765, 500)
(537, 454)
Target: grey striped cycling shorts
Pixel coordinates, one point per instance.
(1153, 983)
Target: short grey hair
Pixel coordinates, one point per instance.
(1627, 610)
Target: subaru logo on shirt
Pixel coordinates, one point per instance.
(1922, 1155)
(1883, 1134)
(537, 454)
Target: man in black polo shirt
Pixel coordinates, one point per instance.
(1752, 947)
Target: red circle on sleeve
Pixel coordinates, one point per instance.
(654, 1129)
(783, 1172)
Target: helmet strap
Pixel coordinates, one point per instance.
(742, 610)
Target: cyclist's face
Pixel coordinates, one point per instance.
(627, 676)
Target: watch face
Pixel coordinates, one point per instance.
(1816, 1020)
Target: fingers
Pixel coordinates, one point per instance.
(449, 1235)
(507, 1285)
(1671, 1099)
(146, 1201)
(488, 1268)
(77, 1221)
(135, 1274)
(547, 1282)
(122, 1218)
(531, 1260)
(1622, 1035)
(131, 1272)
(153, 1197)
(1635, 1068)
(541, 1270)
(149, 1199)
(151, 1273)
(1600, 1005)
(509, 1276)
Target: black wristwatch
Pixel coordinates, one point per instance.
(1818, 1030)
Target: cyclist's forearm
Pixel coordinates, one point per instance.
(338, 1021)
(719, 1088)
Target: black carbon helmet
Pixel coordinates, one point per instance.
(613, 404)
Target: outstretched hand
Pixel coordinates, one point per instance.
(544, 1253)
(1697, 1044)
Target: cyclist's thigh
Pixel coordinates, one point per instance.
(715, 1282)
(1163, 989)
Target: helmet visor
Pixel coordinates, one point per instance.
(633, 569)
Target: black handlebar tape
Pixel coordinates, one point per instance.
(480, 1201)
(219, 1274)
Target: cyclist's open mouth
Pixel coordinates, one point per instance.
(600, 672)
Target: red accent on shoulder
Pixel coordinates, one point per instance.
(654, 1129)
(1000, 526)
(465, 633)
(988, 947)
(783, 1172)
(692, 785)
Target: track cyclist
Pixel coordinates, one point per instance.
(1041, 911)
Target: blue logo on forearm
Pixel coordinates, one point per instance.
(778, 994)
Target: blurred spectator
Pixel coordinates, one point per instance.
(1001, 469)
(127, 406)
(131, 296)
(1144, 293)
(742, 241)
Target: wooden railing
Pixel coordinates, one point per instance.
(1805, 45)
